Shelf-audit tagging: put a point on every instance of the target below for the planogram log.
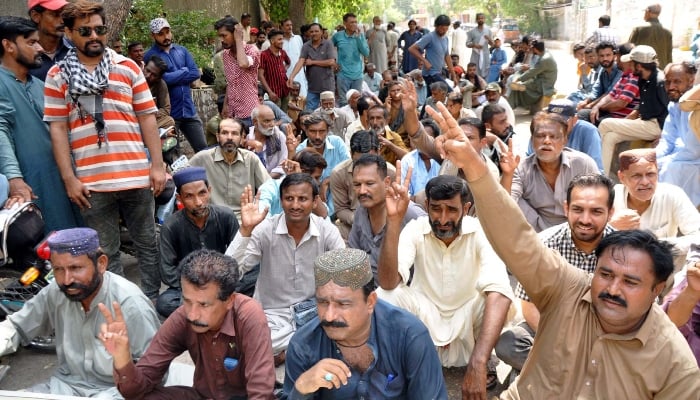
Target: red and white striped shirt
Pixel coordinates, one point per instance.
(241, 83)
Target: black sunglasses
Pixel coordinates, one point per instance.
(86, 31)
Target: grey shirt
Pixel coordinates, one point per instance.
(286, 269)
(361, 235)
(83, 363)
(543, 206)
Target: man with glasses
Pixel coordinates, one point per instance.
(101, 114)
(539, 183)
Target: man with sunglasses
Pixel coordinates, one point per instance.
(101, 114)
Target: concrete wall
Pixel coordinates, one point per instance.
(219, 8)
(17, 8)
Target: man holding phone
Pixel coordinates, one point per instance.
(352, 48)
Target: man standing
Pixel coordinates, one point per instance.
(678, 151)
(285, 246)
(645, 123)
(26, 157)
(199, 225)
(536, 82)
(392, 45)
(612, 326)
(241, 62)
(370, 178)
(654, 35)
(437, 55)
(46, 14)
(101, 114)
(224, 332)
(539, 183)
(229, 167)
(604, 33)
(68, 307)
(459, 42)
(459, 287)
(378, 44)
(409, 62)
(351, 47)
(135, 51)
(359, 338)
(182, 71)
(588, 208)
(292, 46)
(272, 72)
(318, 60)
(480, 39)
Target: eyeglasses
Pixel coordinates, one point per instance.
(86, 31)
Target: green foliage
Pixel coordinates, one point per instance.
(191, 29)
(277, 9)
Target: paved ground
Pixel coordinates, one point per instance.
(28, 367)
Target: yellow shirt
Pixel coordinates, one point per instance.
(572, 358)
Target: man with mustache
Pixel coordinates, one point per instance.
(539, 183)
(359, 338)
(284, 246)
(337, 120)
(224, 332)
(678, 151)
(199, 225)
(641, 202)
(459, 287)
(69, 307)
(182, 71)
(267, 141)
(102, 120)
(370, 178)
(593, 330)
(229, 167)
(26, 157)
(588, 208)
(609, 74)
(46, 14)
(331, 147)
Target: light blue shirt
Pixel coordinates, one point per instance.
(373, 82)
(350, 52)
(420, 175)
(334, 152)
(436, 49)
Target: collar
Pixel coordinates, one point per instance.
(281, 227)
(101, 296)
(645, 332)
(228, 327)
(218, 155)
(12, 74)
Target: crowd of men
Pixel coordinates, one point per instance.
(355, 209)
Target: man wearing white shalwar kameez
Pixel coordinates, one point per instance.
(479, 39)
(458, 279)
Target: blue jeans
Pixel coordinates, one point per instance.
(345, 84)
(169, 301)
(313, 101)
(137, 209)
(433, 78)
(194, 132)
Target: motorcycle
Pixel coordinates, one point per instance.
(25, 268)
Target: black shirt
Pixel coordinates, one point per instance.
(653, 100)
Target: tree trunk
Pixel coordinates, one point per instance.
(116, 12)
(297, 13)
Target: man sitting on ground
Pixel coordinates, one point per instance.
(358, 337)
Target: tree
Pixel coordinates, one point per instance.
(116, 12)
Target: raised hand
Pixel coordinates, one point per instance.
(251, 215)
(409, 98)
(397, 197)
(291, 141)
(508, 161)
(114, 336)
(290, 167)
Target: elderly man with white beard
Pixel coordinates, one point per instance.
(267, 140)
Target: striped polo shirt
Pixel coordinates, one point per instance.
(120, 163)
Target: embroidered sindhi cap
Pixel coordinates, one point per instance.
(76, 241)
(189, 174)
(345, 267)
(158, 24)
